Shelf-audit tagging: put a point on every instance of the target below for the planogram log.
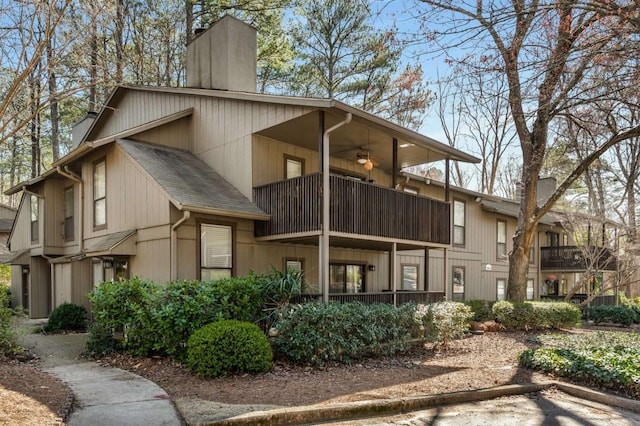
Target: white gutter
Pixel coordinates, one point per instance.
(324, 239)
(74, 177)
(174, 244)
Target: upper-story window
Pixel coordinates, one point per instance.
(501, 238)
(68, 230)
(293, 167)
(459, 214)
(35, 218)
(100, 194)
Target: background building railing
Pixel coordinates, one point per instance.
(577, 258)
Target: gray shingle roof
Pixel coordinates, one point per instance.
(108, 242)
(189, 181)
(5, 225)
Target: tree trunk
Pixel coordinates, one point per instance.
(53, 103)
(93, 70)
(119, 41)
(189, 11)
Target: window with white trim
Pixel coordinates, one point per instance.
(69, 225)
(459, 213)
(501, 238)
(530, 290)
(409, 279)
(216, 251)
(100, 194)
(35, 218)
(501, 289)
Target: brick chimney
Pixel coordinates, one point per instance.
(223, 57)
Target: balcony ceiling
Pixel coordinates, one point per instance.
(363, 134)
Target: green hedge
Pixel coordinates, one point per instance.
(228, 346)
(536, 315)
(623, 315)
(317, 333)
(160, 319)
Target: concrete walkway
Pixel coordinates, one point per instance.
(103, 396)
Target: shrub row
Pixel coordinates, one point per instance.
(160, 319)
(317, 333)
(623, 315)
(536, 315)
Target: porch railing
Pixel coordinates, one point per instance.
(402, 297)
(577, 258)
(355, 208)
(602, 300)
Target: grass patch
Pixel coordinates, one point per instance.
(604, 359)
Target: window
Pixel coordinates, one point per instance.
(293, 167)
(501, 289)
(458, 283)
(98, 272)
(530, 293)
(553, 239)
(501, 237)
(294, 265)
(346, 278)
(35, 218)
(409, 277)
(532, 252)
(216, 252)
(68, 230)
(458, 222)
(99, 194)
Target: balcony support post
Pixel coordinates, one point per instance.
(393, 269)
(445, 275)
(394, 166)
(324, 237)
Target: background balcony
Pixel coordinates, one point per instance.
(355, 208)
(574, 258)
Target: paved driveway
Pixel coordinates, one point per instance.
(549, 407)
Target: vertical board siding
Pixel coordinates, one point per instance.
(355, 208)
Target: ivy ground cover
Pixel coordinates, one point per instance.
(604, 359)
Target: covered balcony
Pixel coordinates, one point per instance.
(357, 208)
(574, 258)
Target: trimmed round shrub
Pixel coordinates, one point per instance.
(67, 317)
(444, 321)
(228, 346)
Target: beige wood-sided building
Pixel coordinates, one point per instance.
(214, 180)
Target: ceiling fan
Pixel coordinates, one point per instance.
(363, 158)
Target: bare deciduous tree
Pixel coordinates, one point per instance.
(556, 57)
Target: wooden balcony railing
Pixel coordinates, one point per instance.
(402, 297)
(355, 208)
(577, 258)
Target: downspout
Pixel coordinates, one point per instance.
(174, 244)
(324, 249)
(74, 177)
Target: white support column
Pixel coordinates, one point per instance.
(394, 272)
(445, 274)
